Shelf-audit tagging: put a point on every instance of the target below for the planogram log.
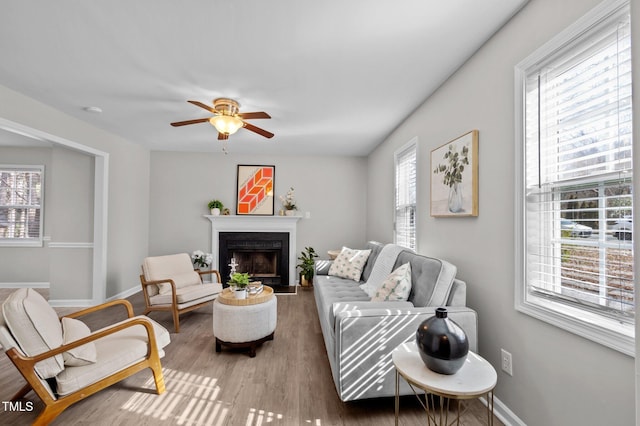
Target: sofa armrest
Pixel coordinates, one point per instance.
(365, 339)
(322, 266)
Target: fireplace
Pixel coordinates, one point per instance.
(238, 224)
(263, 255)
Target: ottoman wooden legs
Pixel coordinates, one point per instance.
(238, 326)
(243, 345)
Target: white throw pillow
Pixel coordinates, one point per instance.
(397, 285)
(72, 330)
(349, 263)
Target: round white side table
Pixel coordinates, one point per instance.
(476, 378)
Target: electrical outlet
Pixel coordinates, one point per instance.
(507, 362)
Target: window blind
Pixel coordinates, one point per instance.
(20, 203)
(405, 196)
(578, 172)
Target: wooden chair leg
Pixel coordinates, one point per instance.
(49, 413)
(158, 377)
(176, 320)
(22, 392)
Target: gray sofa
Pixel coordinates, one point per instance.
(360, 335)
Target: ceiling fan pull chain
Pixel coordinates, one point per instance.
(224, 147)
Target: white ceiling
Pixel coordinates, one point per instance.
(337, 76)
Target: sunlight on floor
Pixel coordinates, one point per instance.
(192, 400)
(180, 403)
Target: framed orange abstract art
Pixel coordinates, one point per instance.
(255, 190)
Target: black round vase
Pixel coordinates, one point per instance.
(442, 344)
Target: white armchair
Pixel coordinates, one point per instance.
(169, 283)
(63, 361)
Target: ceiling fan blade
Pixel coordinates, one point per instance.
(184, 123)
(257, 130)
(253, 115)
(203, 106)
(222, 136)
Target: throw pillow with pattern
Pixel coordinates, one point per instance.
(349, 263)
(397, 285)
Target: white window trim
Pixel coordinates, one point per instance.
(412, 143)
(608, 332)
(27, 242)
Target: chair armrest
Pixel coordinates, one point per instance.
(211, 272)
(127, 305)
(146, 283)
(14, 354)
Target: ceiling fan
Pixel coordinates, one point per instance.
(227, 118)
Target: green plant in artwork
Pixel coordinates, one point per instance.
(455, 163)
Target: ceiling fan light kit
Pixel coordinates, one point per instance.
(227, 118)
(227, 124)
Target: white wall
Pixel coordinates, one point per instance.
(128, 189)
(559, 378)
(331, 189)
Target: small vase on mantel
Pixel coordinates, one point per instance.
(443, 344)
(290, 212)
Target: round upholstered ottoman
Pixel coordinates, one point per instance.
(244, 326)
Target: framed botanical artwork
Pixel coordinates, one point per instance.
(454, 177)
(255, 190)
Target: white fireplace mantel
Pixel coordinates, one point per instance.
(235, 223)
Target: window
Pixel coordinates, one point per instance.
(405, 195)
(21, 205)
(575, 252)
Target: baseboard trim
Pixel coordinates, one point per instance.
(71, 303)
(25, 285)
(503, 413)
(125, 294)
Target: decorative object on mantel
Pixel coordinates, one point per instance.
(215, 206)
(226, 212)
(255, 190)
(289, 202)
(454, 177)
(307, 266)
(239, 282)
(442, 344)
(201, 259)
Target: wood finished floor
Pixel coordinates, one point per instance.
(288, 382)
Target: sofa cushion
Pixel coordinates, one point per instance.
(187, 294)
(339, 307)
(375, 248)
(72, 330)
(431, 279)
(36, 327)
(115, 352)
(397, 285)
(349, 263)
(330, 290)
